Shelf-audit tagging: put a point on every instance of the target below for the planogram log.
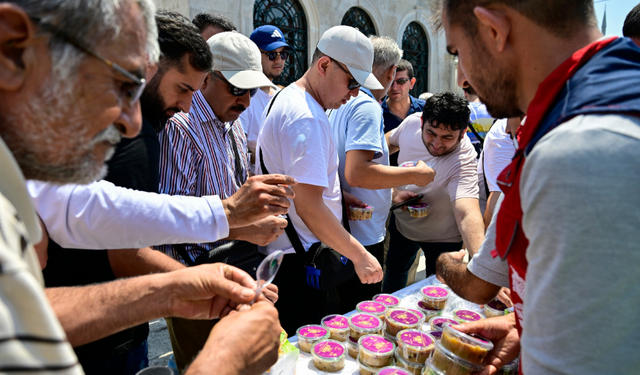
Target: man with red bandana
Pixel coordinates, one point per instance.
(568, 225)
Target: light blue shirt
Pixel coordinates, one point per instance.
(358, 125)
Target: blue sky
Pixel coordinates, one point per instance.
(617, 11)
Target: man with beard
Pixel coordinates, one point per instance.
(570, 214)
(54, 131)
(454, 214)
(275, 51)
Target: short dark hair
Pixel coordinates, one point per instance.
(405, 65)
(446, 110)
(202, 20)
(631, 26)
(561, 17)
(178, 36)
(317, 54)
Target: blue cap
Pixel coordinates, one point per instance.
(268, 38)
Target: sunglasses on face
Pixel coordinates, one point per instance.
(274, 55)
(353, 84)
(236, 91)
(401, 81)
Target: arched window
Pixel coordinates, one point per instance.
(416, 51)
(289, 16)
(359, 19)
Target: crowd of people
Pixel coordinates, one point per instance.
(133, 141)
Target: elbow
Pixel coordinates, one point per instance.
(354, 179)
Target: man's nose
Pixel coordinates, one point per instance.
(129, 121)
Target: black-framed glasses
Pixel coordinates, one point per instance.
(236, 91)
(353, 84)
(273, 55)
(401, 81)
(132, 90)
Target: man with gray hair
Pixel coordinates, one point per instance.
(358, 134)
(51, 129)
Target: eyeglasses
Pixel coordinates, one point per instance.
(131, 90)
(353, 84)
(401, 81)
(236, 91)
(273, 55)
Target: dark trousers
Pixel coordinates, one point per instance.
(402, 254)
(352, 292)
(127, 363)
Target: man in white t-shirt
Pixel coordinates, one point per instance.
(296, 138)
(437, 138)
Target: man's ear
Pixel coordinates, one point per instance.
(207, 81)
(17, 51)
(390, 75)
(322, 65)
(495, 25)
(413, 82)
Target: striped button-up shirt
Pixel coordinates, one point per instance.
(197, 159)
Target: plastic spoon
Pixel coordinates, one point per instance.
(267, 271)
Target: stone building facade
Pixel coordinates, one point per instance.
(304, 21)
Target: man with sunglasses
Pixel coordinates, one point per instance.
(275, 52)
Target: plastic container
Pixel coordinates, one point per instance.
(372, 307)
(329, 355)
(415, 345)
(376, 351)
(366, 369)
(495, 308)
(338, 326)
(436, 334)
(390, 337)
(360, 213)
(362, 324)
(430, 369)
(352, 347)
(412, 367)
(420, 314)
(409, 164)
(400, 319)
(450, 364)
(309, 335)
(429, 312)
(435, 297)
(393, 370)
(418, 210)
(510, 368)
(464, 316)
(437, 322)
(471, 348)
(387, 299)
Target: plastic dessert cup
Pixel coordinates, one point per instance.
(437, 322)
(329, 355)
(430, 369)
(436, 334)
(464, 316)
(435, 297)
(470, 348)
(510, 368)
(428, 311)
(494, 308)
(400, 319)
(415, 345)
(419, 210)
(309, 335)
(372, 307)
(338, 326)
(366, 369)
(352, 347)
(387, 299)
(420, 314)
(362, 324)
(393, 370)
(451, 364)
(409, 164)
(376, 351)
(360, 213)
(390, 337)
(412, 367)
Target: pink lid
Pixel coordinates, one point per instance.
(328, 349)
(415, 338)
(419, 205)
(435, 291)
(387, 299)
(409, 164)
(404, 317)
(419, 313)
(376, 344)
(372, 307)
(439, 321)
(423, 305)
(365, 321)
(312, 331)
(336, 321)
(392, 371)
(468, 315)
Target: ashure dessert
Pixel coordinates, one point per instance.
(352, 347)
(366, 369)
(418, 210)
(430, 369)
(435, 297)
(420, 315)
(451, 364)
(470, 348)
(376, 351)
(309, 335)
(415, 345)
(436, 334)
(362, 324)
(387, 299)
(464, 316)
(328, 355)
(428, 311)
(437, 322)
(400, 319)
(338, 326)
(393, 370)
(360, 213)
(372, 307)
(412, 367)
(494, 308)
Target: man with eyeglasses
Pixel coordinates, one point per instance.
(275, 52)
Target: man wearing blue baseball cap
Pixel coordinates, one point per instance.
(275, 51)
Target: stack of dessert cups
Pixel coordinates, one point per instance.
(459, 353)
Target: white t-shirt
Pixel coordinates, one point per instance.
(456, 177)
(251, 118)
(497, 152)
(297, 119)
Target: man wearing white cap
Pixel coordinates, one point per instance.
(296, 139)
(204, 152)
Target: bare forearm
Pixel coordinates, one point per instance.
(136, 262)
(491, 206)
(470, 223)
(465, 284)
(375, 176)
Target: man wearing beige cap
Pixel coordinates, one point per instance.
(296, 140)
(204, 152)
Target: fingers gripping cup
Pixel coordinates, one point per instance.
(471, 348)
(376, 351)
(399, 319)
(338, 326)
(435, 297)
(387, 299)
(437, 322)
(465, 316)
(451, 364)
(361, 324)
(372, 307)
(415, 345)
(494, 308)
(360, 213)
(309, 335)
(329, 355)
